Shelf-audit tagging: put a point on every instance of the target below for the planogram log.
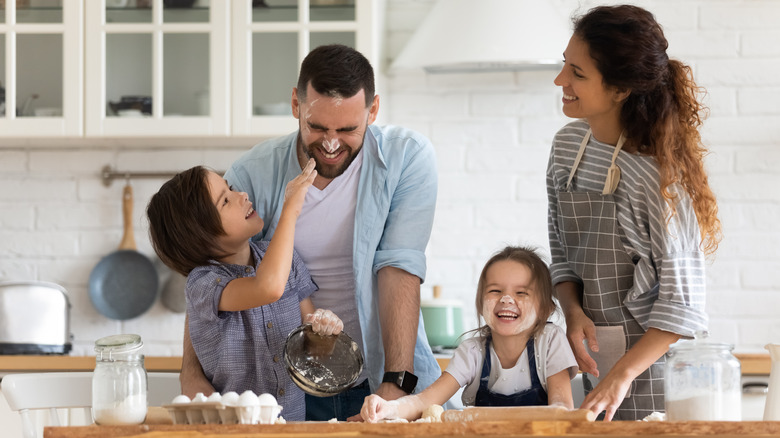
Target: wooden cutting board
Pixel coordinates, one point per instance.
(519, 413)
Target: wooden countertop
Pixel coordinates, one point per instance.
(751, 363)
(427, 430)
(44, 363)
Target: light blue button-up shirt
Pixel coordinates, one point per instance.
(395, 205)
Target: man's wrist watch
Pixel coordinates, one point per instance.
(404, 379)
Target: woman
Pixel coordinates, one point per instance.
(631, 214)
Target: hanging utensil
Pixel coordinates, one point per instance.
(124, 283)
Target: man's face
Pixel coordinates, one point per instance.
(332, 129)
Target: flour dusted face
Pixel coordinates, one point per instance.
(332, 129)
(509, 303)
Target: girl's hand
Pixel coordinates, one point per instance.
(295, 192)
(607, 395)
(375, 408)
(578, 328)
(324, 322)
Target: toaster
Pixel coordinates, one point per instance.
(34, 318)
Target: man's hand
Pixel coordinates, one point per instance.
(324, 322)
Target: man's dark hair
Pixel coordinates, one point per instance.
(338, 71)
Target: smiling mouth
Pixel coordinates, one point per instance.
(507, 315)
(251, 210)
(331, 156)
(568, 97)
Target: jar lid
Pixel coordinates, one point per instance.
(700, 342)
(118, 343)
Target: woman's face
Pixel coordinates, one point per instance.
(510, 305)
(239, 220)
(585, 96)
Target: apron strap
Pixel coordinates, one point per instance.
(613, 173)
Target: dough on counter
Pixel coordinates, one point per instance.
(395, 420)
(432, 414)
(333, 420)
(655, 416)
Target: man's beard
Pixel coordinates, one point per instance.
(326, 170)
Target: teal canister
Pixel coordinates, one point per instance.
(443, 320)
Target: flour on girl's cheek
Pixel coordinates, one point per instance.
(527, 317)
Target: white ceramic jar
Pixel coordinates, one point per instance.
(119, 383)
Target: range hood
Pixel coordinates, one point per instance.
(487, 35)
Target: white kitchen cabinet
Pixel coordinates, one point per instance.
(170, 65)
(41, 68)
(215, 69)
(269, 44)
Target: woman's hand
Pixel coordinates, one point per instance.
(579, 328)
(295, 192)
(608, 394)
(324, 322)
(375, 408)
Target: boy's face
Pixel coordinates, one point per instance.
(510, 305)
(239, 219)
(332, 129)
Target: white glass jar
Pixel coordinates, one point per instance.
(702, 382)
(119, 382)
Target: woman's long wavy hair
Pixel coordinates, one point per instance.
(662, 114)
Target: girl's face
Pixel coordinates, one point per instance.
(585, 96)
(239, 219)
(510, 304)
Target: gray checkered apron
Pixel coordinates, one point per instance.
(592, 241)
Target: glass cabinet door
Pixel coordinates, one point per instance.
(271, 38)
(158, 67)
(40, 68)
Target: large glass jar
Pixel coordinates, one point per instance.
(702, 382)
(119, 382)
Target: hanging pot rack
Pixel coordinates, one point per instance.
(108, 175)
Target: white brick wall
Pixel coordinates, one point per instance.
(502, 145)
(492, 133)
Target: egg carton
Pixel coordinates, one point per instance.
(220, 413)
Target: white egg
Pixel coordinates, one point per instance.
(248, 398)
(181, 398)
(230, 398)
(214, 397)
(267, 400)
(199, 398)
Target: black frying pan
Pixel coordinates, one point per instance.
(124, 283)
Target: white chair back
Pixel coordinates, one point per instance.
(68, 397)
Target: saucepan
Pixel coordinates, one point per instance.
(322, 365)
(124, 283)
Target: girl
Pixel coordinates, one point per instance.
(631, 215)
(243, 297)
(516, 359)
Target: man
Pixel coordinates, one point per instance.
(363, 229)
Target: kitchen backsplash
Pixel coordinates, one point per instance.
(492, 133)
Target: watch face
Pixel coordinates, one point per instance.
(404, 379)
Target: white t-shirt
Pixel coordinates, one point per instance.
(553, 355)
(324, 240)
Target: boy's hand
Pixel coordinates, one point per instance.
(325, 322)
(295, 192)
